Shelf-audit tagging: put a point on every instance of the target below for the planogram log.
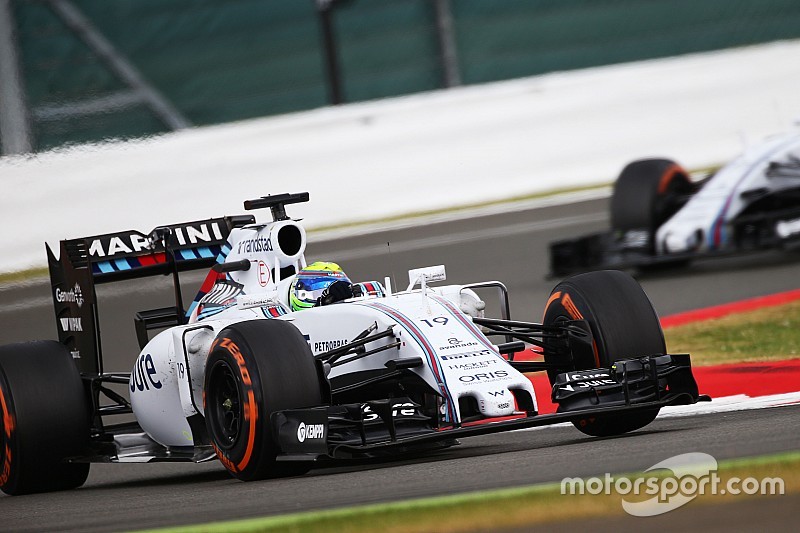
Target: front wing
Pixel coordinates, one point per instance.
(342, 431)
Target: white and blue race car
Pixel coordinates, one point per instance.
(268, 391)
(659, 216)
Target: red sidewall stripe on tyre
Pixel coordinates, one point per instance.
(8, 428)
(252, 415)
(251, 408)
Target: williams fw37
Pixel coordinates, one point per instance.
(660, 217)
(243, 377)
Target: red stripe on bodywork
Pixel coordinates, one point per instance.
(152, 259)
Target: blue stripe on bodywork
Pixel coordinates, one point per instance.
(188, 254)
(223, 252)
(210, 312)
(205, 252)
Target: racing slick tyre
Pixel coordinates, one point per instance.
(623, 324)
(44, 419)
(646, 194)
(255, 368)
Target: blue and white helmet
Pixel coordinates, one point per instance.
(311, 281)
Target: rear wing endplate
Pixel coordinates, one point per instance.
(82, 263)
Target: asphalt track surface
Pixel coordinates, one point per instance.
(510, 247)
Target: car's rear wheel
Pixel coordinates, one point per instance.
(44, 419)
(256, 368)
(646, 194)
(623, 324)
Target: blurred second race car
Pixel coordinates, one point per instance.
(659, 216)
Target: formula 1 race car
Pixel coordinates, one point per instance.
(269, 391)
(660, 217)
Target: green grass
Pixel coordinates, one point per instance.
(22, 275)
(491, 510)
(768, 334)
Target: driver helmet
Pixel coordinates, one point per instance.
(307, 286)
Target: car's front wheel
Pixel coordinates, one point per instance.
(623, 325)
(646, 194)
(254, 369)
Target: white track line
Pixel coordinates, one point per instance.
(725, 404)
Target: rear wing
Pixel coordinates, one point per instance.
(83, 263)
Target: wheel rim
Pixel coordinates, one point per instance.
(224, 405)
(559, 320)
